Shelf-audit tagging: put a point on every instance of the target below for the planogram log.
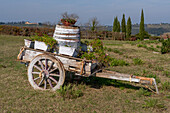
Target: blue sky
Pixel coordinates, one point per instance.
(155, 11)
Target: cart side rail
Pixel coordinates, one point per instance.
(80, 66)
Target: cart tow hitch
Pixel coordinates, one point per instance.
(151, 81)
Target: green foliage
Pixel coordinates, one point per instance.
(117, 51)
(158, 46)
(142, 28)
(70, 92)
(146, 35)
(118, 62)
(165, 46)
(98, 52)
(116, 25)
(165, 86)
(153, 49)
(100, 55)
(46, 39)
(166, 73)
(88, 56)
(143, 92)
(153, 103)
(148, 48)
(123, 24)
(129, 27)
(114, 50)
(109, 49)
(137, 61)
(158, 68)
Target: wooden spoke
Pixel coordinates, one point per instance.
(36, 78)
(42, 67)
(53, 79)
(49, 68)
(53, 70)
(46, 72)
(37, 67)
(52, 74)
(49, 81)
(46, 64)
(36, 73)
(41, 81)
(45, 84)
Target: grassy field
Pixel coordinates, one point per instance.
(92, 95)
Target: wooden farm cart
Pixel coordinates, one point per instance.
(46, 70)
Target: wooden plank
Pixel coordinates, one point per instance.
(30, 54)
(65, 56)
(117, 76)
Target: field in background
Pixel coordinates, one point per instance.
(98, 95)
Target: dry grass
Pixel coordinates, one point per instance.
(99, 95)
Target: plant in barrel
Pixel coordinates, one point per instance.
(69, 19)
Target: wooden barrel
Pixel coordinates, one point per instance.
(67, 36)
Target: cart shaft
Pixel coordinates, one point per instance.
(127, 77)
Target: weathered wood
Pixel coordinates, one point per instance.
(127, 77)
(61, 55)
(44, 74)
(117, 76)
(70, 63)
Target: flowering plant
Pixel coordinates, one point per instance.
(69, 19)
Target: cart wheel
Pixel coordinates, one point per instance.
(46, 73)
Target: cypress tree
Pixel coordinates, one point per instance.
(115, 25)
(129, 28)
(142, 28)
(123, 24)
(118, 26)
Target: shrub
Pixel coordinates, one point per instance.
(165, 46)
(117, 51)
(114, 50)
(137, 61)
(139, 45)
(109, 49)
(70, 92)
(166, 73)
(98, 53)
(153, 103)
(143, 92)
(166, 85)
(118, 62)
(158, 46)
(158, 68)
(153, 49)
(148, 48)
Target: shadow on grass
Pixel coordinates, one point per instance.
(97, 83)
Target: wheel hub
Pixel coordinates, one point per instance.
(44, 73)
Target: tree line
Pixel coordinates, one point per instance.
(126, 28)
